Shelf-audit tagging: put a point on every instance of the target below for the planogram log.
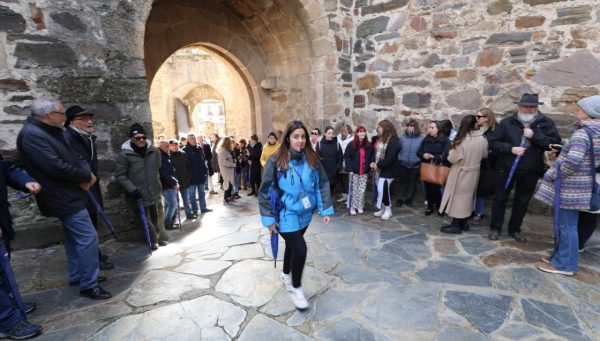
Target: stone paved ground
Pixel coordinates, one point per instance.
(367, 280)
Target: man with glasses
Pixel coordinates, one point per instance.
(526, 134)
(315, 136)
(80, 125)
(64, 178)
(137, 171)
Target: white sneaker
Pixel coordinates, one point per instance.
(298, 298)
(361, 211)
(379, 213)
(343, 198)
(287, 282)
(353, 211)
(387, 213)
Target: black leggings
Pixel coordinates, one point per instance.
(433, 195)
(295, 255)
(227, 192)
(586, 226)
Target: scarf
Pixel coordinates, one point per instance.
(88, 137)
(140, 150)
(380, 154)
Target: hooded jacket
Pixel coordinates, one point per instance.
(134, 171)
(508, 133)
(313, 183)
(575, 170)
(50, 160)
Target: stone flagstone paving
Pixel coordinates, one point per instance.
(367, 280)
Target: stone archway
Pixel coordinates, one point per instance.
(282, 50)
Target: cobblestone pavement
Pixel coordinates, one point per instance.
(367, 280)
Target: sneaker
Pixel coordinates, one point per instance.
(353, 211)
(360, 211)
(287, 282)
(387, 214)
(154, 247)
(21, 330)
(545, 259)
(343, 198)
(551, 269)
(30, 307)
(379, 213)
(298, 298)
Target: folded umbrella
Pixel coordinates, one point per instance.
(102, 214)
(145, 224)
(178, 211)
(274, 246)
(514, 165)
(350, 190)
(10, 278)
(374, 194)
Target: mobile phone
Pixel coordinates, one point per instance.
(556, 146)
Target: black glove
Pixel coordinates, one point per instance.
(136, 194)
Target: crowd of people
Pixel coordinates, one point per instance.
(456, 170)
(296, 172)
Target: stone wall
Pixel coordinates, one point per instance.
(322, 61)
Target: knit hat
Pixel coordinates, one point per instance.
(591, 106)
(136, 128)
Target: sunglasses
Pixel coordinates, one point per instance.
(314, 133)
(479, 116)
(140, 138)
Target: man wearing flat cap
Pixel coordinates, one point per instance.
(527, 133)
(80, 125)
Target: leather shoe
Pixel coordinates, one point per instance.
(95, 293)
(103, 258)
(494, 235)
(451, 229)
(30, 307)
(518, 237)
(100, 280)
(154, 247)
(399, 203)
(104, 265)
(408, 203)
(163, 243)
(206, 210)
(428, 211)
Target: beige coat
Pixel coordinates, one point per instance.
(226, 166)
(461, 188)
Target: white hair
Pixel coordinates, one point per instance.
(42, 106)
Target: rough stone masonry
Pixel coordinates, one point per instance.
(323, 61)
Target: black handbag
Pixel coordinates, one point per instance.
(488, 180)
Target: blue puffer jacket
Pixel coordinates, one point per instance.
(294, 217)
(409, 146)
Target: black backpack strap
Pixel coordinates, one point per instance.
(592, 154)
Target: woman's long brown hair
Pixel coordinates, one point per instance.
(226, 143)
(389, 130)
(284, 153)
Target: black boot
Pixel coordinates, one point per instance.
(454, 228)
(399, 203)
(464, 224)
(408, 203)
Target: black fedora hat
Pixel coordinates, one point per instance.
(529, 100)
(74, 111)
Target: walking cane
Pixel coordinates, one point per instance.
(9, 276)
(350, 191)
(145, 224)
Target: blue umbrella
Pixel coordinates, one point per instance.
(102, 213)
(10, 278)
(145, 224)
(374, 194)
(514, 165)
(274, 246)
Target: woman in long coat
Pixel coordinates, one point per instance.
(468, 149)
(227, 167)
(254, 152)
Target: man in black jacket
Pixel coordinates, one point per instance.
(180, 162)
(195, 153)
(80, 125)
(13, 323)
(64, 178)
(526, 134)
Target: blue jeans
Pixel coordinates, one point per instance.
(566, 253)
(236, 182)
(191, 205)
(81, 245)
(9, 311)
(171, 207)
(480, 206)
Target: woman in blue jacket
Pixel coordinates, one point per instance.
(296, 171)
(410, 162)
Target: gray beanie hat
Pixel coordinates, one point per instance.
(591, 106)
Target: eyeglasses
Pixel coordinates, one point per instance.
(314, 133)
(140, 138)
(82, 119)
